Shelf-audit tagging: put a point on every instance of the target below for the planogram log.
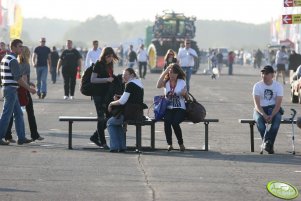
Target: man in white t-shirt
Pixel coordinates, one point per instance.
(267, 97)
(142, 58)
(186, 58)
(92, 55)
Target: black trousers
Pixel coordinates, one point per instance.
(31, 121)
(173, 118)
(69, 82)
(142, 64)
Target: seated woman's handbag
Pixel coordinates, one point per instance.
(195, 112)
(23, 96)
(160, 105)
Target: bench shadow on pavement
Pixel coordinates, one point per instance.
(277, 158)
(280, 158)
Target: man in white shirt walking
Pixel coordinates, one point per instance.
(186, 57)
(92, 55)
(142, 58)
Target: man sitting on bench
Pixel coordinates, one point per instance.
(267, 97)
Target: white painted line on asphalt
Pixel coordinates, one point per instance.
(47, 145)
(55, 129)
(298, 171)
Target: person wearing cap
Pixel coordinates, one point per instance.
(267, 97)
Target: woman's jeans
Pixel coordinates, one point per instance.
(261, 124)
(117, 135)
(173, 118)
(100, 110)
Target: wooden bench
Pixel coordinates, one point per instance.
(147, 122)
(252, 122)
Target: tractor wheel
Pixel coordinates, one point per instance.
(152, 57)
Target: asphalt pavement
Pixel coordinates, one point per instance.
(47, 170)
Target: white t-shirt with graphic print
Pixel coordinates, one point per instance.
(267, 93)
(176, 99)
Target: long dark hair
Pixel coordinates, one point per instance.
(175, 68)
(108, 51)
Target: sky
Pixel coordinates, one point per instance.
(249, 11)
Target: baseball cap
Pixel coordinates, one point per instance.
(268, 69)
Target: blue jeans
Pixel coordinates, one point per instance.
(117, 135)
(188, 72)
(41, 72)
(260, 123)
(11, 106)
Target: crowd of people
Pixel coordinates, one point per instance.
(117, 94)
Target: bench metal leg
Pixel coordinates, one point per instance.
(153, 135)
(70, 135)
(252, 136)
(138, 137)
(206, 135)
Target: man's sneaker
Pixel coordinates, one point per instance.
(11, 140)
(3, 142)
(66, 97)
(25, 141)
(269, 147)
(71, 97)
(95, 141)
(43, 95)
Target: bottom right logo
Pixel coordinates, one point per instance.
(282, 190)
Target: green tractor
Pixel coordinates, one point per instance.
(169, 32)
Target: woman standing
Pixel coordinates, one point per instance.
(102, 76)
(175, 90)
(133, 94)
(169, 58)
(23, 60)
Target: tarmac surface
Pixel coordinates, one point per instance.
(48, 171)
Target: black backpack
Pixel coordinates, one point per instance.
(86, 87)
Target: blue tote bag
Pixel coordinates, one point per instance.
(160, 105)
